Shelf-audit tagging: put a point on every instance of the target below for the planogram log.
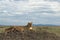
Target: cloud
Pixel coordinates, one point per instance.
(20, 8)
(54, 0)
(38, 11)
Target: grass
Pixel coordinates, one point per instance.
(2, 28)
(55, 30)
(51, 29)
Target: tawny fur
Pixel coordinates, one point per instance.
(19, 28)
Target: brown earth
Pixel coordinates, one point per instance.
(29, 35)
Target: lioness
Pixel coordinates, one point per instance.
(22, 28)
(19, 28)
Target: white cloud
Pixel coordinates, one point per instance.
(9, 19)
(7, 14)
(57, 14)
(30, 5)
(33, 8)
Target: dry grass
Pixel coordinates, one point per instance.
(38, 33)
(51, 29)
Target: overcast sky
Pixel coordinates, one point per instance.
(19, 12)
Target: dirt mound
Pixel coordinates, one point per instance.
(28, 35)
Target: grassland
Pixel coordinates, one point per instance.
(51, 29)
(38, 33)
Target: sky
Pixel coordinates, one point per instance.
(20, 12)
